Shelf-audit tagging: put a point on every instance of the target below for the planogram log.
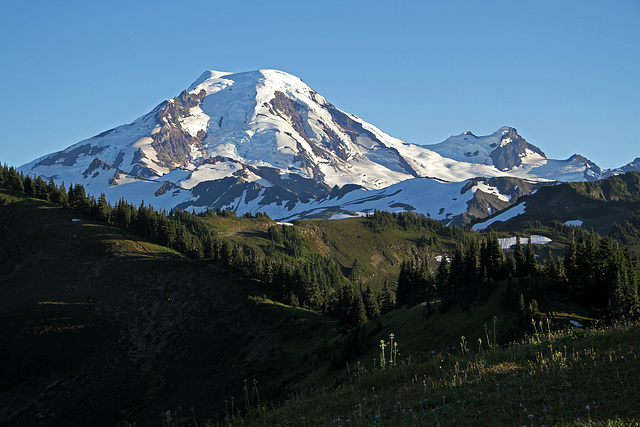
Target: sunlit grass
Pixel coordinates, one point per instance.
(573, 377)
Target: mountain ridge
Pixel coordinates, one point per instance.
(269, 128)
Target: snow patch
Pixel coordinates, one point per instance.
(575, 222)
(576, 324)
(536, 239)
(504, 216)
(506, 142)
(346, 216)
(196, 122)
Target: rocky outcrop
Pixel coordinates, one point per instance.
(167, 186)
(294, 113)
(512, 147)
(172, 143)
(484, 203)
(95, 167)
(68, 157)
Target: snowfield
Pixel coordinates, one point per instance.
(272, 120)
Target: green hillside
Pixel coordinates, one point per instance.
(100, 326)
(599, 205)
(584, 377)
(112, 315)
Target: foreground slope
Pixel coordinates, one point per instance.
(99, 326)
(573, 377)
(91, 311)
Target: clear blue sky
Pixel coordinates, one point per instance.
(566, 74)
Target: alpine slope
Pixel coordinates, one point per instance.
(264, 141)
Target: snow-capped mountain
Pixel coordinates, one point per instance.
(265, 141)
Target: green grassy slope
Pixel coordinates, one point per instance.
(104, 328)
(571, 378)
(99, 326)
(598, 204)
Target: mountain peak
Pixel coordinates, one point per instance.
(512, 149)
(504, 148)
(257, 139)
(213, 77)
(207, 75)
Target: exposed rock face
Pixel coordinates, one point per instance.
(94, 168)
(167, 186)
(326, 144)
(513, 187)
(350, 126)
(582, 159)
(220, 192)
(287, 108)
(172, 143)
(68, 158)
(633, 166)
(484, 203)
(512, 147)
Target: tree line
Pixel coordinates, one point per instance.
(294, 273)
(607, 273)
(595, 268)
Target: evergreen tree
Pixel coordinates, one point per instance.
(40, 189)
(27, 183)
(442, 277)
(403, 289)
(456, 274)
(509, 266)
(518, 257)
(608, 264)
(103, 208)
(345, 301)
(493, 257)
(355, 269)
(570, 262)
(311, 295)
(13, 180)
(357, 312)
(471, 270)
(550, 267)
(371, 304)
(530, 262)
(387, 300)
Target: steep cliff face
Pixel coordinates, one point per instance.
(173, 144)
(512, 148)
